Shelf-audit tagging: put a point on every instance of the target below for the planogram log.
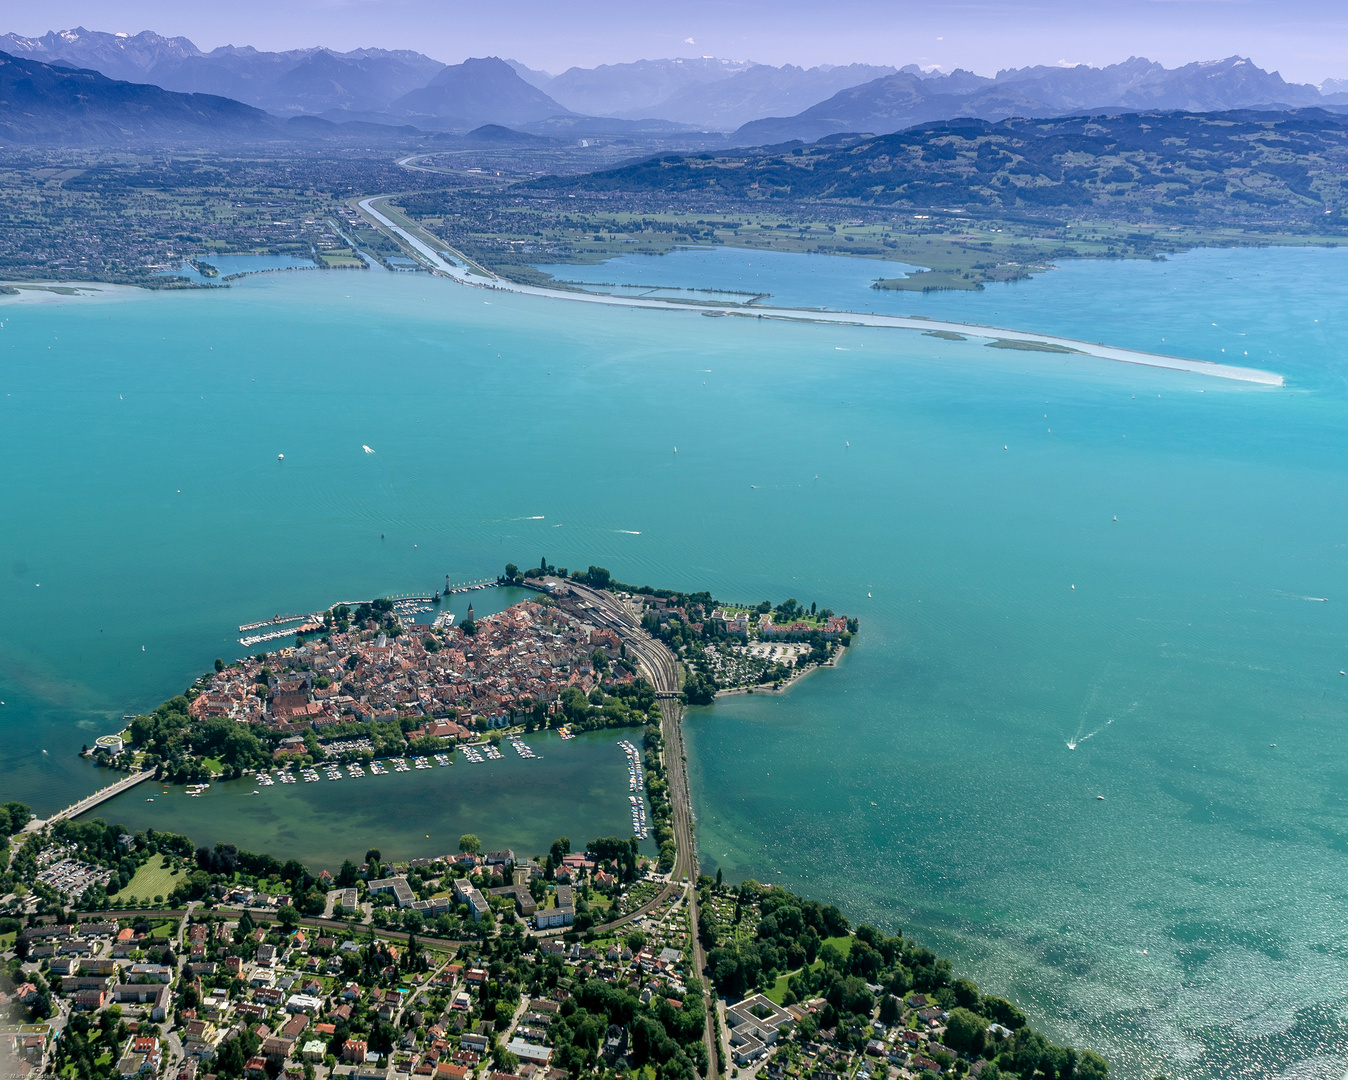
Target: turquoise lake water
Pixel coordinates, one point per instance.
(710, 273)
(947, 494)
(246, 264)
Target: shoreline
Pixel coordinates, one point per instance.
(1096, 350)
(55, 292)
(58, 291)
(738, 691)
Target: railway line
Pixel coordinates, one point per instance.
(662, 671)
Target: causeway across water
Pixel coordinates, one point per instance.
(469, 273)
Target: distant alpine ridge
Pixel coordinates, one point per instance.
(755, 104)
(478, 91)
(46, 105)
(706, 93)
(311, 81)
(910, 97)
(54, 106)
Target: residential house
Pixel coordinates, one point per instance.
(156, 995)
(530, 1052)
(402, 892)
(91, 1000)
(149, 973)
(200, 1037)
(276, 1048)
(295, 1026)
(142, 1056)
(467, 893)
(304, 1003)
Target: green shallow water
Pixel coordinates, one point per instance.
(576, 788)
(1191, 923)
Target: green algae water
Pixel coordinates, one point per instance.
(513, 801)
(1075, 579)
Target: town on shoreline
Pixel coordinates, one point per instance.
(371, 684)
(143, 955)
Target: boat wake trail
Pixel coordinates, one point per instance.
(1081, 733)
(1077, 739)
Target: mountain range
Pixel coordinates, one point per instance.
(62, 107)
(706, 93)
(908, 97)
(311, 81)
(757, 104)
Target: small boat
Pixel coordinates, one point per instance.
(1101, 798)
(280, 457)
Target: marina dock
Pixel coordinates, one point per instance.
(315, 623)
(275, 620)
(336, 770)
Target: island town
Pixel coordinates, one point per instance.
(370, 685)
(142, 954)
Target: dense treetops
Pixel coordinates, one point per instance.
(792, 937)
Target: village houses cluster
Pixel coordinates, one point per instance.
(303, 1002)
(525, 655)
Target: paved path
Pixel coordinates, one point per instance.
(484, 279)
(90, 801)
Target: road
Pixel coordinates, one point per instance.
(90, 801)
(483, 278)
(428, 253)
(662, 671)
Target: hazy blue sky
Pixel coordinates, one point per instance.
(1307, 40)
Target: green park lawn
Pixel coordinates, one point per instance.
(779, 988)
(152, 879)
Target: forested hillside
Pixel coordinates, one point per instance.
(1281, 168)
